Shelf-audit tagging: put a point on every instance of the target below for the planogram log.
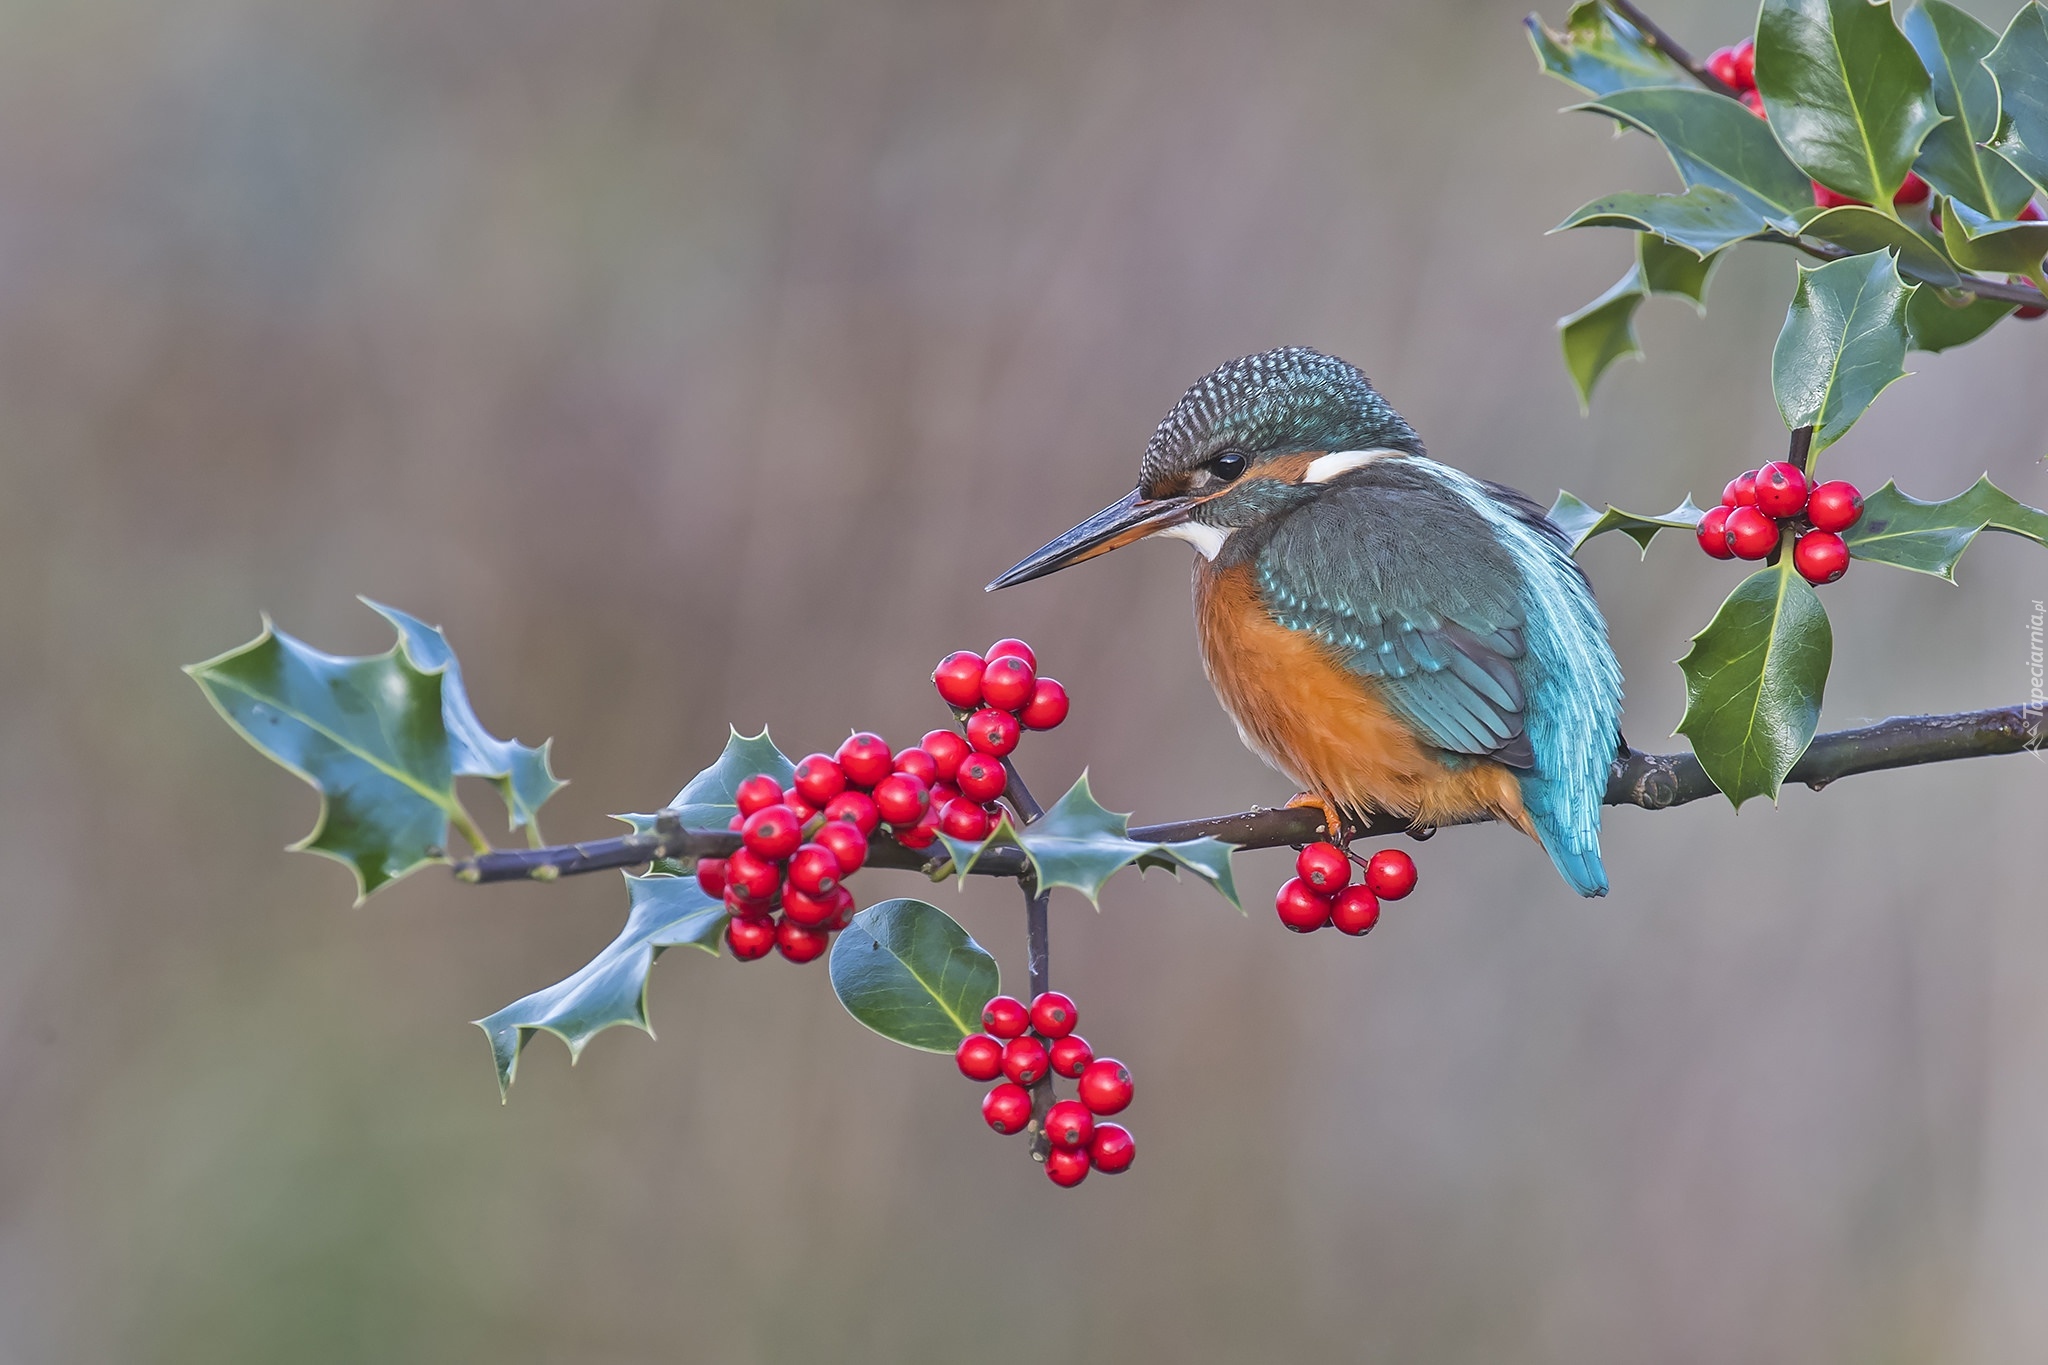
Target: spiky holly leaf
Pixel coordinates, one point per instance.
(1087, 842)
(907, 970)
(707, 801)
(1952, 45)
(1938, 319)
(1601, 52)
(1601, 333)
(519, 772)
(2020, 61)
(1989, 246)
(1581, 521)
(1675, 271)
(1753, 682)
(1844, 343)
(1861, 229)
(1929, 537)
(1714, 141)
(1703, 219)
(372, 736)
(1845, 93)
(1208, 859)
(610, 989)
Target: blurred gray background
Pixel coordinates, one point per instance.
(699, 362)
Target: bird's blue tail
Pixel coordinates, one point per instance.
(1579, 866)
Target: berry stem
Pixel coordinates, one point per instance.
(1800, 452)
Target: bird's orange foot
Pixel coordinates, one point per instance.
(1333, 819)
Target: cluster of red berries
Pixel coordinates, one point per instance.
(1758, 504)
(1736, 67)
(1321, 891)
(784, 887)
(1027, 1047)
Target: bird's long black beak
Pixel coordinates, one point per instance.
(1120, 523)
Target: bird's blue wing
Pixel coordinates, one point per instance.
(1412, 589)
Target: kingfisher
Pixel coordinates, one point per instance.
(1391, 633)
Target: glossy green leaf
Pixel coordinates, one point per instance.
(1992, 247)
(1581, 521)
(1753, 682)
(1601, 52)
(1843, 343)
(1674, 271)
(1208, 859)
(707, 801)
(2020, 61)
(611, 989)
(1864, 230)
(1601, 333)
(1079, 844)
(1936, 320)
(907, 970)
(519, 772)
(1703, 219)
(1929, 537)
(1845, 93)
(1716, 142)
(369, 733)
(1952, 46)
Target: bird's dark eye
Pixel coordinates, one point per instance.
(1227, 467)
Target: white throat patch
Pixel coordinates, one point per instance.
(1207, 539)
(1324, 468)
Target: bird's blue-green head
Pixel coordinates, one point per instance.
(1246, 443)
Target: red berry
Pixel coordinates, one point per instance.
(981, 778)
(1721, 63)
(2031, 213)
(1781, 490)
(818, 779)
(1914, 190)
(1005, 1016)
(1820, 557)
(958, 678)
(1302, 908)
(923, 834)
(902, 799)
(1751, 534)
(750, 874)
(739, 907)
(801, 942)
(1745, 65)
(918, 764)
(1047, 707)
(812, 912)
(963, 819)
(1070, 1055)
(1112, 1150)
(943, 792)
(2026, 312)
(1390, 873)
(1007, 1108)
(1754, 103)
(856, 809)
(1325, 867)
(1068, 1124)
(772, 832)
(1007, 684)
(1934, 217)
(1828, 199)
(711, 876)
(1026, 1061)
(866, 759)
(814, 870)
(1105, 1085)
(1016, 647)
(848, 846)
(1355, 911)
(1834, 506)
(1053, 1015)
(736, 822)
(1066, 1168)
(750, 938)
(1741, 490)
(802, 809)
(947, 749)
(843, 908)
(979, 1057)
(992, 732)
(757, 793)
(1713, 532)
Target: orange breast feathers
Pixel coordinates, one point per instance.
(1324, 726)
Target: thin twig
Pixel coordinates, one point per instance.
(1656, 37)
(1648, 781)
